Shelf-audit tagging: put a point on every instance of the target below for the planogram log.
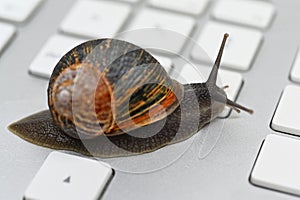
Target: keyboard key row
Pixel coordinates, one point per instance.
(85, 20)
(278, 161)
(99, 19)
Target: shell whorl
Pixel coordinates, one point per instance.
(109, 86)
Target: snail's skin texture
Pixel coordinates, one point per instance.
(194, 106)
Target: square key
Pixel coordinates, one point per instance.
(64, 176)
(53, 50)
(241, 47)
(17, 10)
(95, 19)
(277, 165)
(247, 12)
(158, 30)
(287, 114)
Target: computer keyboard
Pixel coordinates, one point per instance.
(259, 150)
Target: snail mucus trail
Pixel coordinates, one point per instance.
(179, 120)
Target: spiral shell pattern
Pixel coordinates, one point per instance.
(109, 86)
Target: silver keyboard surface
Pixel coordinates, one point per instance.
(261, 65)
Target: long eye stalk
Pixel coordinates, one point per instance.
(212, 79)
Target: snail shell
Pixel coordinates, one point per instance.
(111, 87)
(104, 82)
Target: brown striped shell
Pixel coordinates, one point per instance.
(107, 86)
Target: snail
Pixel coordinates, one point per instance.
(92, 84)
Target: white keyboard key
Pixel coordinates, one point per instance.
(295, 73)
(165, 62)
(51, 53)
(95, 19)
(287, 114)
(278, 163)
(17, 10)
(248, 12)
(234, 80)
(161, 20)
(7, 31)
(64, 176)
(241, 47)
(187, 6)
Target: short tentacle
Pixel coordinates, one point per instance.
(238, 107)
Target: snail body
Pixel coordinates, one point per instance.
(113, 88)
